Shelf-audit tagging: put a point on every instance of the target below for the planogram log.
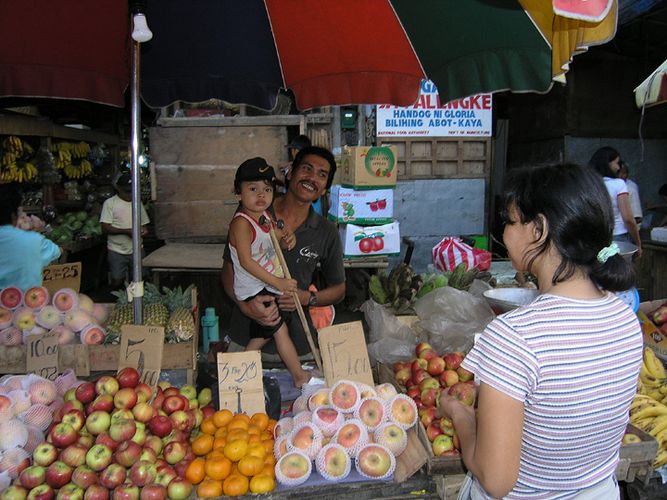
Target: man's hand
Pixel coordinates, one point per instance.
(286, 301)
(262, 309)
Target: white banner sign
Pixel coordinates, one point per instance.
(428, 117)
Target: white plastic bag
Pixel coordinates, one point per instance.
(390, 339)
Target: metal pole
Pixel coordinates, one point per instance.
(137, 283)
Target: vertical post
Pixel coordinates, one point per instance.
(137, 284)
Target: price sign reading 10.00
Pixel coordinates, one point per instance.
(42, 355)
(141, 348)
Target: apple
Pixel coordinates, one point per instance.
(351, 435)
(413, 392)
(32, 476)
(628, 438)
(433, 430)
(45, 454)
(171, 391)
(448, 378)
(402, 376)
(128, 377)
(333, 462)
(174, 452)
(144, 392)
(160, 425)
(99, 457)
(430, 397)
(318, 398)
(85, 392)
(402, 411)
(453, 360)
(36, 297)
(371, 412)
(122, 430)
(436, 366)
(143, 412)
(158, 400)
(154, 443)
(103, 402)
(98, 422)
(74, 455)
(307, 438)
(392, 436)
(140, 434)
(428, 383)
(418, 364)
(295, 467)
(148, 455)
(65, 299)
(125, 492)
(173, 403)
(70, 492)
(181, 420)
(344, 396)
(207, 411)
(399, 365)
(179, 489)
(205, 397)
(62, 435)
(58, 474)
(75, 418)
(422, 346)
(153, 492)
(113, 475)
(427, 415)
(84, 477)
(385, 391)
(441, 444)
(106, 384)
(419, 376)
(125, 399)
(428, 355)
(119, 414)
(24, 319)
(127, 453)
(96, 492)
(375, 461)
(464, 375)
(15, 492)
(41, 492)
(106, 440)
(464, 392)
(447, 426)
(165, 475)
(188, 391)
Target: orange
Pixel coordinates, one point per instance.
(269, 459)
(261, 420)
(262, 484)
(272, 424)
(235, 450)
(218, 468)
(222, 417)
(235, 434)
(242, 416)
(209, 488)
(221, 432)
(253, 429)
(254, 438)
(219, 442)
(250, 466)
(268, 470)
(207, 426)
(216, 453)
(265, 435)
(235, 485)
(196, 472)
(268, 446)
(256, 450)
(237, 423)
(202, 444)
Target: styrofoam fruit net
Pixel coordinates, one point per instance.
(322, 395)
(13, 434)
(314, 439)
(395, 415)
(324, 458)
(6, 408)
(65, 381)
(42, 391)
(5, 480)
(300, 404)
(385, 391)
(35, 437)
(366, 391)
(392, 436)
(375, 453)
(280, 446)
(11, 336)
(371, 421)
(283, 427)
(328, 428)
(38, 416)
(21, 400)
(293, 479)
(354, 446)
(349, 391)
(12, 382)
(13, 461)
(310, 388)
(301, 418)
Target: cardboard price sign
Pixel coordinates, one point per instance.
(59, 276)
(141, 348)
(240, 382)
(42, 355)
(344, 353)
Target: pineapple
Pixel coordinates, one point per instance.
(181, 325)
(156, 314)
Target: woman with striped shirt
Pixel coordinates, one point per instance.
(556, 376)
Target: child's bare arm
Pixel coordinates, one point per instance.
(240, 237)
(286, 238)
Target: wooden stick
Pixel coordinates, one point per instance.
(299, 308)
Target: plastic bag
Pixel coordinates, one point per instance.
(390, 339)
(452, 318)
(452, 251)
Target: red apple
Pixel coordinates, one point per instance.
(453, 360)
(99, 457)
(430, 396)
(113, 475)
(15, 492)
(442, 444)
(98, 422)
(433, 430)
(448, 378)
(174, 452)
(125, 399)
(160, 425)
(84, 477)
(402, 376)
(74, 455)
(464, 375)
(45, 454)
(75, 418)
(58, 474)
(418, 364)
(70, 492)
(427, 415)
(96, 492)
(128, 377)
(125, 492)
(144, 392)
(419, 375)
(106, 440)
(422, 346)
(428, 383)
(154, 443)
(464, 392)
(436, 366)
(143, 412)
(32, 477)
(127, 453)
(85, 392)
(413, 392)
(173, 403)
(142, 473)
(122, 430)
(428, 354)
(41, 492)
(447, 426)
(103, 402)
(153, 492)
(63, 435)
(106, 385)
(179, 489)
(72, 404)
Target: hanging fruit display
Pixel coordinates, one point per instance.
(15, 161)
(71, 158)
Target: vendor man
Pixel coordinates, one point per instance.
(317, 243)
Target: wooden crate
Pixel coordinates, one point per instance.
(636, 459)
(85, 360)
(439, 465)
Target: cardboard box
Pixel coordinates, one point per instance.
(653, 337)
(369, 206)
(366, 167)
(368, 241)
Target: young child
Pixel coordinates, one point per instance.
(557, 376)
(256, 266)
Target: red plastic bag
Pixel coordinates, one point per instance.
(452, 251)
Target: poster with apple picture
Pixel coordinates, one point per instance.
(360, 241)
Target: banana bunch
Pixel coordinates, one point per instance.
(13, 144)
(653, 377)
(64, 157)
(14, 164)
(80, 150)
(25, 172)
(78, 171)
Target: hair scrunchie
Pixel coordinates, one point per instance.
(607, 252)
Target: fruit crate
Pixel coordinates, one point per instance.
(86, 360)
(636, 459)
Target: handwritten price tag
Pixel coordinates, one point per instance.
(59, 276)
(344, 353)
(240, 382)
(141, 348)
(42, 355)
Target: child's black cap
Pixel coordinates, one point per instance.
(255, 169)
